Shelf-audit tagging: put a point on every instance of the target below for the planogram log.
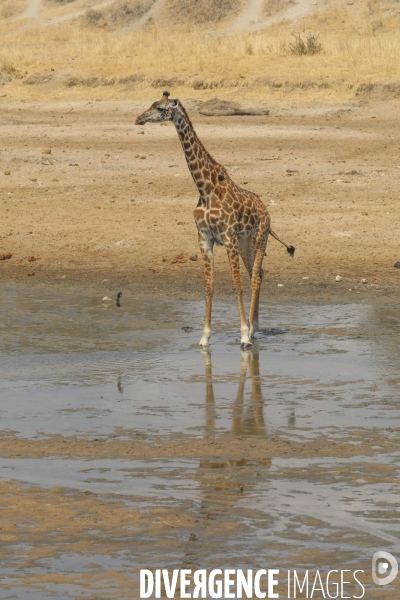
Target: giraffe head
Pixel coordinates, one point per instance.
(163, 110)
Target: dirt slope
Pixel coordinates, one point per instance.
(237, 15)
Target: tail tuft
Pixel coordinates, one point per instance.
(291, 250)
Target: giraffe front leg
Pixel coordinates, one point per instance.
(233, 255)
(253, 315)
(208, 257)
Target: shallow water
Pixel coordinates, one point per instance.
(73, 366)
(271, 486)
(70, 366)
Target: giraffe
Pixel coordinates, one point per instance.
(226, 215)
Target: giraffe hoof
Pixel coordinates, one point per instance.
(246, 345)
(253, 331)
(203, 342)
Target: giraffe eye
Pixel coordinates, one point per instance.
(160, 109)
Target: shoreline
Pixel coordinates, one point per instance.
(174, 284)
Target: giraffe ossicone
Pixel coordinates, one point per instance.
(226, 215)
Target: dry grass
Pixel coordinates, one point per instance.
(102, 64)
(11, 8)
(118, 15)
(273, 7)
(201, 11)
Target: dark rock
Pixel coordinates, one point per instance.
(224, 108)
(38, 78)
(4, 79)
(379, 90)
(167, 82)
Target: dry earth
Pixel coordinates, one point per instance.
(112, 200)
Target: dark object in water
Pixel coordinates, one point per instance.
(187, 329)
(119, 295)
(272, 331)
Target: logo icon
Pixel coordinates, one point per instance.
(384, 563)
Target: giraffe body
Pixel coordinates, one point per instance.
(226, 215)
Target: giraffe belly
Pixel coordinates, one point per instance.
(216, 228)
(244, 232)
(215, 233)
(216, 238)
(209, 224)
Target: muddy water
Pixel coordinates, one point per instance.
(258, 490)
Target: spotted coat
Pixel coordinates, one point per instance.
(226, 215)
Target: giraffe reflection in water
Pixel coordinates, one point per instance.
(226, 484)
(245, 421)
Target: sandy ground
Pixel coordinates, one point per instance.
(112, 200)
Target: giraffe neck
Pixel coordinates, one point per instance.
(203, 168)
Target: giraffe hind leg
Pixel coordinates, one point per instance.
(260, 244)
(247, 253)
(247, 249)
(232, 249)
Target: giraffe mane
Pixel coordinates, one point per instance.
(200, 143)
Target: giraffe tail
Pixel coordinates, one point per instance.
(290, 249)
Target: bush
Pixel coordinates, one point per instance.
(93, 18)
(309, 45)
(8, 10)
(200, 12)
